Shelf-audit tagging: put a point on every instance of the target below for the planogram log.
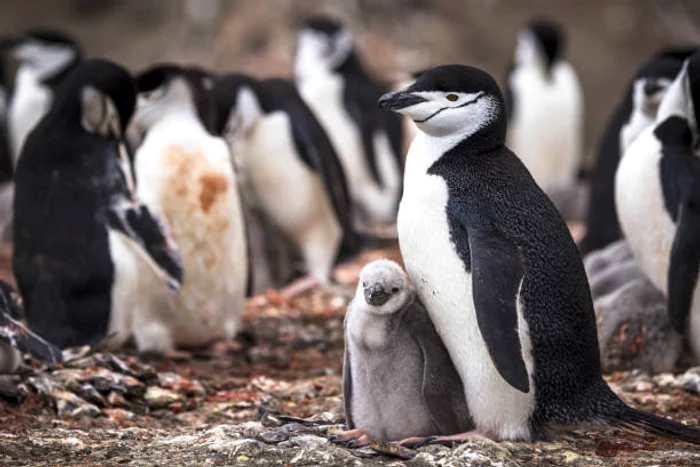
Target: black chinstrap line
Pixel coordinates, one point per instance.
(473, 101)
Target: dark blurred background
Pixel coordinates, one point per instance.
(607, 39)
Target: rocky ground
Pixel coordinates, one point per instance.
(236, 405)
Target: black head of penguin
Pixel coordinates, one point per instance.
(106, 77)
(453, 99)
(226, 94)
(156, 82)
(47, 48)
(339, 48)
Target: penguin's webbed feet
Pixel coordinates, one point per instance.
(355, 438)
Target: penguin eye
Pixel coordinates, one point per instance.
(394, 290)
(451, 97)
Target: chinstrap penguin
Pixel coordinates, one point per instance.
(343, 97)
(291, 166)
(75, 210)
(545, 107)
(398, 379)
(15, 338)
(497, 270)
(185, 175)
(636, 112)
(657, 192)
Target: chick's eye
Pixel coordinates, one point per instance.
(451, 97)
(394, 290)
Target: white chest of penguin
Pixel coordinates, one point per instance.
(185, 176)
(445, 288)
(30, 102)
(546, 131)
(324, 95)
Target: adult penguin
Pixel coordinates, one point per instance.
(292, 168)
(335, 85)
(657, 191)
(497, 270)
(545, 107)
(76, 217)
(636, 112)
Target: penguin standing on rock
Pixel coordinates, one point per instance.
(75, 213)
(185, 175)
(545, 107)
(657, 192)
(292, 168)
(497, 270)
(398, 379)
(343, 97)
(636, 112)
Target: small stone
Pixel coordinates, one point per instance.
(178, 383)
(667, 380)
(691, 381)
(273, 436)
(114, 399)
(157, 397)
(72, 406)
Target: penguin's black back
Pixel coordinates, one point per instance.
(491, 188)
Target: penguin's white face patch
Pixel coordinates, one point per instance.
(528, 50)
(318, 52)
(153, 105)
(45, 59)
(647, 95)
(451, 113)
(243, 116)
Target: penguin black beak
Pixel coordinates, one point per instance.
(399, 100)
(376, 295)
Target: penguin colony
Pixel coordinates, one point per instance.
(136, 206)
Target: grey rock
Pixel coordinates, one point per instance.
(691, 381)
(634, 331)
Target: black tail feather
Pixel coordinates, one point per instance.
(659, 426)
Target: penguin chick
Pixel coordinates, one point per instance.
(398, 379)
(74, 205)
(15, 338)
(291, 166)
(184, 174)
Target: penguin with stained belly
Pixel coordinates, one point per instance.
(292, 168)
(343, 97)
(497, 270)
(185, 175)
(545, 107)
(636, 112)
(657, 194)
(76, 215)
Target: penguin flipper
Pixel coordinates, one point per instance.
(15, 334)
(148, 235)
(347, 388)
(684, 264)
(497, 272)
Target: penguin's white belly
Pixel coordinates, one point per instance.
(291, 193)
(546, 131)
(325, 98)
(445, 288)
(29, 104)
(193, 188)
(647, 226)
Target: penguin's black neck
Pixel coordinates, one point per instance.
(485, 140)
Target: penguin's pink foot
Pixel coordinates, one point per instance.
(298, 287)
(352, 438)
(416, 442)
